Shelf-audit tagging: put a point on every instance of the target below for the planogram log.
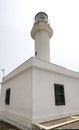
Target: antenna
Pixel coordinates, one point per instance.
(3, 71)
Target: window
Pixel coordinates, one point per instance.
(36, 53)
(7, 97)
(59, 94)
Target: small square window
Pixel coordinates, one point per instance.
(7, 97)
(59, 94)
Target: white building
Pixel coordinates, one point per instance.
(39, 91)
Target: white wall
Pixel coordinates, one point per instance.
(44, 107)
(20, 107)
(42, 45)
(32, 92)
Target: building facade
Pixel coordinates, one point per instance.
(33, 93)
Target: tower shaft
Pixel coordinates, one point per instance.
(41, 33)
(42, 46)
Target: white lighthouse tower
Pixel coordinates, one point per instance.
(41, 33)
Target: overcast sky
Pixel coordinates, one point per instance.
(16, 21)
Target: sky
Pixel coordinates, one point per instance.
(16, 21)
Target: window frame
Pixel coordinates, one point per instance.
(59, 94)
(7, 96)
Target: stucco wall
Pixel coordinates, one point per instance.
(44, 107)
(32, 96)
(20, 107)
(42, 46)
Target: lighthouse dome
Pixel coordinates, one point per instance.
(41, 17)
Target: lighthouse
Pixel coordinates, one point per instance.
(41, 33)
(43, 90)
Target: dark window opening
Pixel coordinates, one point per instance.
(36, 53)
(59, 94)
(7, 97)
